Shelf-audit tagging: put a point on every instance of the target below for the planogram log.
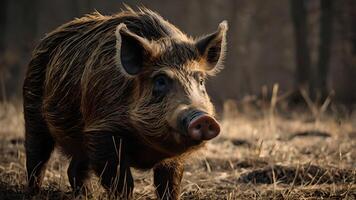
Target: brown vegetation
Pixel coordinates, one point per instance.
(257, 156)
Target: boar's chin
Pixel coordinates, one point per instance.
(174, 143)
(179, 143)
(166, 139)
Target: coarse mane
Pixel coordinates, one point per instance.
(143, 22)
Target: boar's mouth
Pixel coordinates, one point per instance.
(197, 125)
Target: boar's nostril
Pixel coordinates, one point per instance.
(211, 127)
(198, 126)
(203, 127)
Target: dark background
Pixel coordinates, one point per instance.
(298, 44)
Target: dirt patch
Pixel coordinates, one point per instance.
(17, 141)
(241, 142)
(218, 164)
(10, 191)
(352, 135)
(311, 133)
(303, 175)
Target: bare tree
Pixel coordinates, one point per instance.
(326, 30)
(302, 56)
(3, 9)
(347, 20)
(30, 22)
(3, 18)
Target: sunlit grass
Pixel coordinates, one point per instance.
(261, 154)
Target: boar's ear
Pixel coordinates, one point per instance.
(213, 47)
(131, 50)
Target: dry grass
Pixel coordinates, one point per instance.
(262, 153)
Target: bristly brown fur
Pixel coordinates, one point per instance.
(77, 96)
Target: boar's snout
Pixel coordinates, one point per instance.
(198, 125)
(203, 127)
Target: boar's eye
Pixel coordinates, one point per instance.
(161, 85)
(200, 78)
(201, 81)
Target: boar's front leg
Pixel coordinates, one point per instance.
(78, 173)
(167, 178)
(108, 159)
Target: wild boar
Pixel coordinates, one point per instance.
(120, 91)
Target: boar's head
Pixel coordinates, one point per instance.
(170, 107)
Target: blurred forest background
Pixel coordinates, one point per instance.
(309, 44)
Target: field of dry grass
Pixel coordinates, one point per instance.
(261, 154)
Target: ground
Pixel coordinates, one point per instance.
(262, 153)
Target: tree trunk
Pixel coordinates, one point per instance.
(30, 22)
(3, 28)
(302, 56)
(326, 24)
(3, 18)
